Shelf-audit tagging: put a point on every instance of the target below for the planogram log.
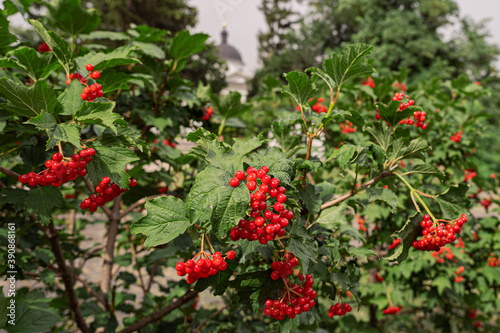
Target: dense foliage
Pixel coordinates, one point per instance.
(307, 209)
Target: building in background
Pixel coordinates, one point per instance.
(236, 77)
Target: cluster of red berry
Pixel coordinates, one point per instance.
(42, 48)
(469, 174)
(318, 107)
(379, 278)
(399, 86)
(433, 237)
(60, 171)
(339, 309)
(295, 299)
(89, 92)
(283, 269)
(361, 223)
(207, 113)
(369, 82)
(493, 261)
(106, 192)
(347, 128)
(459, 278)
(206, 265)
(486, 203)
(456, 137)
(391, 309)
(169, 143)
(445, 252)
(265, 225)
(395, 243)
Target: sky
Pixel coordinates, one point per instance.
(244, 21)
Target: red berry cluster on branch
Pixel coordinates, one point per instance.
(459, 278)
(391, 309)
(295, 299)
(493, 261)
(456, 137)
(206, 265)
(347, 128)
(469, 174)
(60, 171)
(208, 112)
(91, 92)
(399, 86)
(395, 243)
(378, 277)
(263, 225)
(369, 82)
(436, 235)
(361, 223)
(339, 309)
(106, 192)
(445, 251)
(283, 269)
(318, 107)
(169, 143)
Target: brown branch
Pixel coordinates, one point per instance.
(134, 257)
(9, 172)
(139, 203)
(101, 300)
(67, 277)
(109, 254)
(2, 185)
(349, 194)
(159, 314)
(152, 276)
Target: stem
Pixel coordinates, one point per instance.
(53, 236)
(153, 273)
(414, 192)
(159, 314)
(330, 108)
(221, 126)
(210, 244)
(9, 172)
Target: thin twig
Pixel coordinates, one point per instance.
(159, 314)
(153, 273)
(139, 203)
(199, 327)
(9, 172)
(67, 277)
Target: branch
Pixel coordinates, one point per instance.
(159, 314)
(101, 300)
(53, 236)
(349, 194)
(109, 255)
(152, 276)
(197, 329)
(9, 172)
(139, 203)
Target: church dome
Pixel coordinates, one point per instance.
(228, 52)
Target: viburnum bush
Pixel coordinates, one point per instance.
(314, 207)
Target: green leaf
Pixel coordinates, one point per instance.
(110, 160)
(184, 45)
(427, 169)
(332, 217)
(132, 138)
(454, 202)
(323, 75)
(70, 17)
(302, 252)
(229, 105)
(150, 49)
(27, 101)
(256, 287)
(165, 220)
(348, 64)
(361, 252)
(70, 99)
(385, 195)
(212, 199)
(33, 312)
(6, 38)
(100, 114)
(441, 282)
(299, 87)
(64, 132)
(382, 134)
(415, 149)
(59, 46)
(111, 80)
(36, 65)
(311, 199)
(345, 155)
(410, 231)
(279, 166)
(101, 61)
(99, 34)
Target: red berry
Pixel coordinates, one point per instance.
(234, 182)
(95, 75)
(89, 67)
(57, 157)
(231, 255)
(240, 175)
(133, 182)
